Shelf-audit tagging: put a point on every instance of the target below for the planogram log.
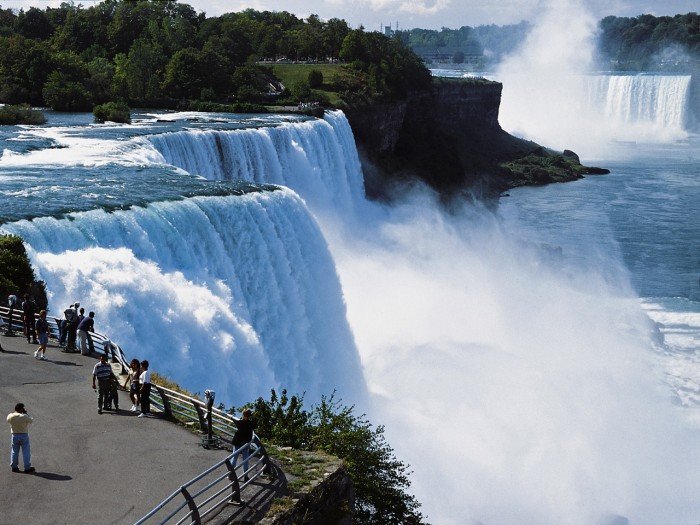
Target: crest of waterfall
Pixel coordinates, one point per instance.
(235, 293)
(658, 101)
(316, 158)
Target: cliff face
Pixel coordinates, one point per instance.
(450, 138)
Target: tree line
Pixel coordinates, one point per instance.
(151, 53)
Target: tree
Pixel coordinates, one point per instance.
(63, 94)
(380, 479)
(184, 74)
(315, 78)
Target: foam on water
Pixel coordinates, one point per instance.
(243, 287)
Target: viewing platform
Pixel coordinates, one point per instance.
(99, 468)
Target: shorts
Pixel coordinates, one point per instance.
(43, 339)
(134, 388)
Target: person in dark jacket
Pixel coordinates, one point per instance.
(243, 436)
(85, 325)
(28, 314)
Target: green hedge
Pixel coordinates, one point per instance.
(113, 112)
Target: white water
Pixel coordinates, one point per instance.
(238, 294)
(317, 159)
(550, 97)
(520, 386)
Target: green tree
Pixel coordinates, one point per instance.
(380, 479)
(184, 74)
(63, 94)
(315, 78)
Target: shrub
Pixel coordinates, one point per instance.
(315, 78)
(22, 114)
(113, 112)
(381, 481)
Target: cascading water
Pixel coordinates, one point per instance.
(640, 100)
(317, 158)
(235, 293)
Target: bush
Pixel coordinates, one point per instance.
(22, 114)
(17, 276)
(113, 112)
(381, 481)
(315, 78)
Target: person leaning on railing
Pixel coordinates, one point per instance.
(243, 436)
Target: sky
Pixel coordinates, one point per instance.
(431, 14)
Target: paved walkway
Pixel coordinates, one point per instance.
(90, 468)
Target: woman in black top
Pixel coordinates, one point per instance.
(243, 435)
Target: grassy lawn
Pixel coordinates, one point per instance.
(291, 73)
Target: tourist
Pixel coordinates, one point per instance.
(243, 436)
(86, 324)
(113, 397)
(19, 422)
(103, 374)
(28, 313)
(42, 329)
(133, 377)
(63, 326)
(72, 328)
(145, 389)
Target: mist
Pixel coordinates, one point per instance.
(550, 95)
(520, 386)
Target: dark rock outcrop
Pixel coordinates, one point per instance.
(450, 138)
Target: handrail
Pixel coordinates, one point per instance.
(211, 420)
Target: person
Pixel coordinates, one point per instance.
(72, 329)
(29, 311)
(145, 389)
(86, 324)
(113, 397)
(19, 422)
(63, 326)
(243, 436)
(103, 374)
(42, 329)
(134, 373)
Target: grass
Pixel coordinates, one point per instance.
(290, 74)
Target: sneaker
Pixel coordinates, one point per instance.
(15, 469)
(99, 410)
(29, 470)
(133, 408)
(142, 415)
(36, 354)
(43, 357)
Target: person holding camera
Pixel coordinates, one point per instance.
(19, 422)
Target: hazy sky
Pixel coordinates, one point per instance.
(418, 13)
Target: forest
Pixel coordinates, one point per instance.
(647, 42)
(159, 53)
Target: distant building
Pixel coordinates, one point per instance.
(388, 31)
(469, 54)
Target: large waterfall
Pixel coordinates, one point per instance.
(317, 158)
(659, 101)
(236, 293)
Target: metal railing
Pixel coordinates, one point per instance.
(96, 339)
(221, 484)
(199, 500)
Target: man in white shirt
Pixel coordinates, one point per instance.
(145, 392)
(19, 422)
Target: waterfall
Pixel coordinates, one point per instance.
(235, 293)
(316, 158)
(654, 100)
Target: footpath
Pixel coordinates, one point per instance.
(90, 468)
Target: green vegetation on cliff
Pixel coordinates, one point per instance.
(380, 480)
(21, 114)
(165, 54)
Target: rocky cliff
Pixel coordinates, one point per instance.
(450, 138)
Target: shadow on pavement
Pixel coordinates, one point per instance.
(62, 363)
(13, 352)
(52, 477)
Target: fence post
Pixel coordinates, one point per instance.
(235, 486)
(200, 415)
(166, 402)
(192, 505)
(269, 467)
